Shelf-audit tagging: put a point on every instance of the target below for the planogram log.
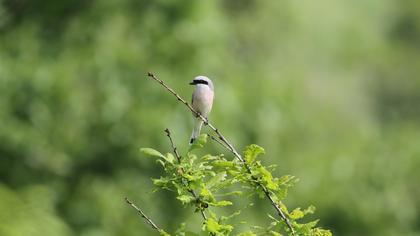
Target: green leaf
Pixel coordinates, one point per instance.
(214, 181)
(287, 180)
(252, 151)
(310, 230)
(297, 214)
(236, 213)
(162, 181)
(188, 177)
(179, 187)
(223, 164)
(209, 157)
(162, 163)
(320, 232)
(281, 193)
(272, 185)
(284, 179)
(283, 207)
(170, 158)
(212, 226)
(222, 203)
(185, 199)
(309, 210)
(151, 152)
(311, 224)
(199, 142)
(267, 178)
(205, 193)
(227, 228)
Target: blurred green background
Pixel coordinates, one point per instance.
(331, 89)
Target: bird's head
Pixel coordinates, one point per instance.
(202, 81)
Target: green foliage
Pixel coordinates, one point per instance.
(198, 180)
(214, 227)
(251, 153)
(329, 88)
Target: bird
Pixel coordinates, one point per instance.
(202, 102)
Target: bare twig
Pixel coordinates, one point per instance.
(168, 133)
(148, 220)
(229, 147)
(178, 157)
(218, 141)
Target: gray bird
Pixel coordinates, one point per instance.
(202, 101)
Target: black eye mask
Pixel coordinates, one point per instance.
(199, 81)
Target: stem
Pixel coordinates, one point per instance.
(218, 141)
(148, 220)
(228, 146)
(178, 157)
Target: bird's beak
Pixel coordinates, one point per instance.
(192, 83)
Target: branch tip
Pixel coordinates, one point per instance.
(148, 220)
(168, 133)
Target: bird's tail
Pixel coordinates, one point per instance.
(196, 130)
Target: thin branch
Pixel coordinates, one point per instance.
(168, 133)
(229, 147)
(203, 213)
(148, 220)
(178, 157)
(218, 141)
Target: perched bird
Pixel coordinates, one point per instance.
(202, 101)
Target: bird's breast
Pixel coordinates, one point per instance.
(203, 100)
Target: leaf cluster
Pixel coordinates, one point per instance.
(200, 182)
